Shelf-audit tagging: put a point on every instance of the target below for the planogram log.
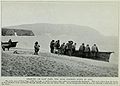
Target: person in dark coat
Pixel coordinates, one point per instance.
(52, 43)
(10, 43)
(57, 46)
(62, 48)
(69, 48)
(94, 50)
(87, 50)
(66, 49)
(82, 49)
(36, 48)
(73, 48)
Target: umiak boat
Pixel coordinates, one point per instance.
(8, 45)
(103, 56)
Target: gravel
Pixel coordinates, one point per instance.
(47, 64)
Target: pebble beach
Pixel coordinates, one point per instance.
(46, 64)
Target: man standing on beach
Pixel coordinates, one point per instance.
(36, 48)
(94, 50)
(74, 48)
(82, 49)
(87, 50)
(10, 43)
(69, 48)
(52, 43)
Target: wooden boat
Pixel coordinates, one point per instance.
(103, 56)
(8, 45)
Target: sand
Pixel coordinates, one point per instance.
(47, 64)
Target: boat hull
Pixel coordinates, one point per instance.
(103, 56)
(7, 45)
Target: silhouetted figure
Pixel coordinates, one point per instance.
(94, 50)
(66, 48)
(52, 43)
(87, 50)
(57, 46)
(62, 48)
(73, 48)
(10, 43)
(82, 49)
(36, 48)
(69, 48)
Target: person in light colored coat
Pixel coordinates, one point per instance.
(87, 50)
(94, 50)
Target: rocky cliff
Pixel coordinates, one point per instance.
(17, 32)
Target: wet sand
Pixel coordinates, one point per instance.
(46, 64)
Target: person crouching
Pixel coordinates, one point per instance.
(36, 48)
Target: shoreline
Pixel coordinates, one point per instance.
(47, 64)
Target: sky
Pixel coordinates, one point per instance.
(102, 16)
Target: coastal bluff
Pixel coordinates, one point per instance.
(16, 32)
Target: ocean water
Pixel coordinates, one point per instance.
(27, 42)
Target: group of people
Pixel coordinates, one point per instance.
(65, 48)
(85, 50)
(69, 48)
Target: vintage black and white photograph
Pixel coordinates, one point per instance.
(59, 39)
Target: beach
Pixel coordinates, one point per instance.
(46, 64)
